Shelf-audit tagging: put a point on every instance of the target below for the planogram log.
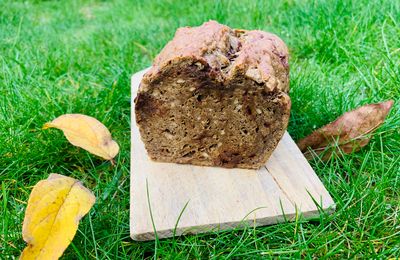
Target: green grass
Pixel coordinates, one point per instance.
(61, 57)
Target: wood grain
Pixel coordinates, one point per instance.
(219, 198)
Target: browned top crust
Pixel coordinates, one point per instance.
(260, 56)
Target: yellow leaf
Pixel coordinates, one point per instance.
(86, 132)
(55, 207)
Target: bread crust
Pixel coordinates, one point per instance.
(215, 97)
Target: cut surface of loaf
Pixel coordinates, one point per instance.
(215, 97)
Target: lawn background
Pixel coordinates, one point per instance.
(61, 57)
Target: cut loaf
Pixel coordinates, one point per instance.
(215, 97)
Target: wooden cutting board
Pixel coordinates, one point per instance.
(170, 199)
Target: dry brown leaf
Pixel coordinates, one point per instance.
(86, 132)
(55, 207)
(348, 133)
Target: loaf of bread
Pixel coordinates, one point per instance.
(215, 97)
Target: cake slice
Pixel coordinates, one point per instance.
(215, 97)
